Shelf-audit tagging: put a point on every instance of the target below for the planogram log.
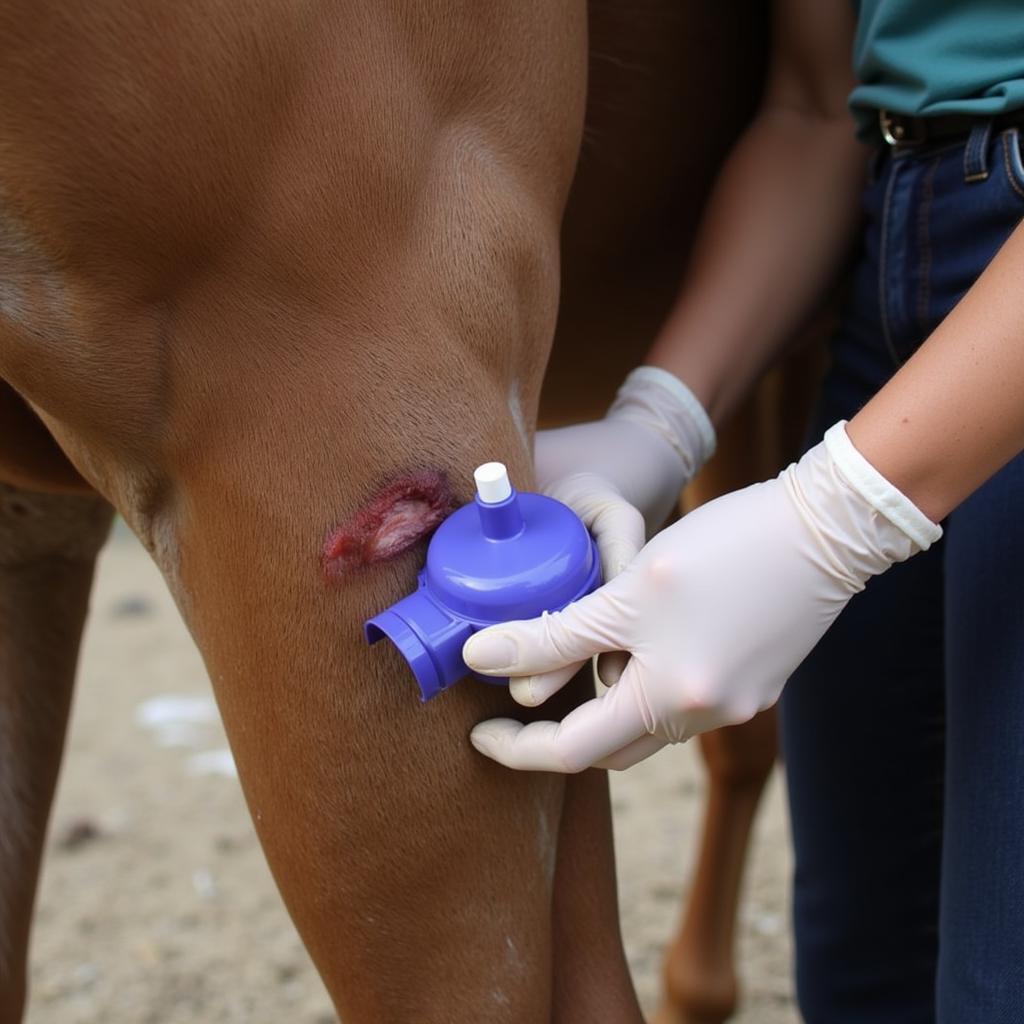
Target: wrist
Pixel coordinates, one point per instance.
(879, 492)
(660, 402)
(858, 522)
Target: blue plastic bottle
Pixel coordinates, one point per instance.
(504, 556)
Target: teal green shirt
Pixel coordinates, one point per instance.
(935, 57)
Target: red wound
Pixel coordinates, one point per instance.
(395, 519)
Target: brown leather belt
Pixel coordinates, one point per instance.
(900, 130)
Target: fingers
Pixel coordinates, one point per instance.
(553, 641)
(594, 731)
(533, 690)
(620, 533)
(617, 526)
(632, 753)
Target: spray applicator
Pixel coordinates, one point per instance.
(505, 555)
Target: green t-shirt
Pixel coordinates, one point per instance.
(935, 57)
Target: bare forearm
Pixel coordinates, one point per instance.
(780, 218)
(778, 227)
(954, 414)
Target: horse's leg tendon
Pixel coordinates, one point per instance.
(48, 546)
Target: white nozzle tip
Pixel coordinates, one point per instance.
(492, 483)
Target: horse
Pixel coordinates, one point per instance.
(275, 273)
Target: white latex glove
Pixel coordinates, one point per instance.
(625, 471)
(716, 612)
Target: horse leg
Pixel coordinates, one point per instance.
(421, 877)
(48, 546)
(700, 985)
(591, 976)
(348, 300)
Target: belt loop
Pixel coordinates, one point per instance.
(976, 151)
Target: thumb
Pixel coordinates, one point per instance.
(618, 526)
(530, 647)
(619, 531)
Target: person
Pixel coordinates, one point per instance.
(902, 640)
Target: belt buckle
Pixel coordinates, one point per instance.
(892, 131)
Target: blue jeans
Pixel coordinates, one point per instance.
(904, 728)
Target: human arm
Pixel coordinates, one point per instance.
(777, 228)
(780, 220)
(954, 413)
(718, 610)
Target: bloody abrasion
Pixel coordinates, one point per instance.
(395, 519)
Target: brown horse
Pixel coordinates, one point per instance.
(260, 264)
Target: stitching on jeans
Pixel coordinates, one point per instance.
(924, 242)
(883, 306)
(967, 157)
(1010, 176)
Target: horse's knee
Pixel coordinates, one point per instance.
(399, 850)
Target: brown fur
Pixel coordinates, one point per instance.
(257, 259)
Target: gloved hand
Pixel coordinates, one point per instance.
(625, 471)
(716, 613)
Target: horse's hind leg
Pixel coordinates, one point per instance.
(48, 546)
(700, 975)
(700, 983)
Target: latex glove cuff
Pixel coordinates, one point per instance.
(881, 495)
(659, 401)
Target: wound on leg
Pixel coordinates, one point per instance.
(395, 519)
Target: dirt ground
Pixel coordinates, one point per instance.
(157, 907)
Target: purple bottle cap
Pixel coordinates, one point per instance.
(503, 556)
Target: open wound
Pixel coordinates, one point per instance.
(397, 517)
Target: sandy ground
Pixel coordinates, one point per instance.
(156, 904)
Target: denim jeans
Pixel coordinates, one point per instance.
(904, 728)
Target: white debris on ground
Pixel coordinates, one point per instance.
(157, 906)
(177, 720)
(213, 762)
